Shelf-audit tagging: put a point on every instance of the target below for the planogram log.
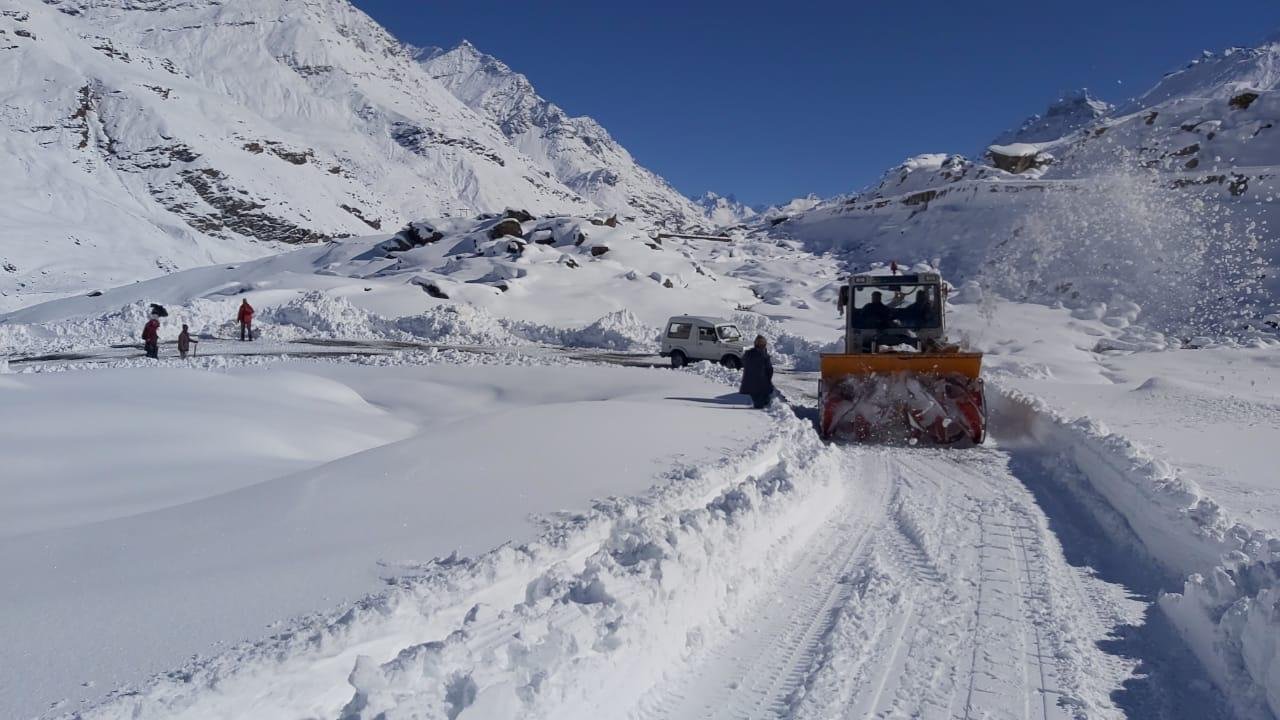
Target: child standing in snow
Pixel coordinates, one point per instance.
(184, 342)
(245, 316)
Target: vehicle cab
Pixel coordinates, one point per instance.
(690, 338)
(893, 310)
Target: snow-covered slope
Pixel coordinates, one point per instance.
(575, 150)
(148, 136)
(1166, 202)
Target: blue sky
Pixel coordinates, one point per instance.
(771, 101)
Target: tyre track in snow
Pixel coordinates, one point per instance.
(938, 591)
(755, 672)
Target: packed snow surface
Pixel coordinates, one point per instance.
(208, 505)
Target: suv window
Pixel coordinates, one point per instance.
(706, 334)
(729, 333)
(679, 331)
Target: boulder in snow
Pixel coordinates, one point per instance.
(506, 227)
(1018, 157)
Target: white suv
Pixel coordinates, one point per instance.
(692, 338)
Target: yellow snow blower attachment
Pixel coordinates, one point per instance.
(898, 378)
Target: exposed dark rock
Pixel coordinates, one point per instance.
(255, 148)
(778, 221)
(182, 153)
(163, 92)
(1151, 118)
(104, 46)
(1193, 163)
(1188, 150)
(295, 157)
(921, 198)
(506, 227)
(519, 215)
(413, 235)
(599, 250)
(22, 32)
(417, 139)
(543, 236)
(568, 262)
(1243, 100)
(611, 221)
(375, 224)
(431, 289)
(1239, 185)
(1001, 158)
(231, 212)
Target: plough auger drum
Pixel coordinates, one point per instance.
(899, 378)
(903, 397)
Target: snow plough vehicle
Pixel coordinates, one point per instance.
(898, 377)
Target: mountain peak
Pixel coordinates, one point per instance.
(1073, 110)
(576, 150)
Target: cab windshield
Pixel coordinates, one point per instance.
(881, 307)
(728, 333)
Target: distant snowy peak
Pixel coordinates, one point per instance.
(725, 210)
(1071, 112)
(575, 150)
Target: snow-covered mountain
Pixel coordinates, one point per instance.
(1069, 113)
(152, 135)
(1165, 202)
(725, 210)
(577, 151)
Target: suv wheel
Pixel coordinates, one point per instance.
(678, 360)
(731, 361)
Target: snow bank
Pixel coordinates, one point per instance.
(618, 330)
(643, 580)
(319, 315)
(657, 588)
(1229, 610)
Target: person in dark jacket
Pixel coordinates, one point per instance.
(184, 342)
(757, 374)
(245, 317)
(151, 337)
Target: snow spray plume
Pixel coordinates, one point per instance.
(1189, 257)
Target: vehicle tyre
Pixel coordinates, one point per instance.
(732, 362)
(678, 360)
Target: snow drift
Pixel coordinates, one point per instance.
(1228, 610)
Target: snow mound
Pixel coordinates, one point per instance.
(316, 314)
(457, 325)
(618, 330)
(1226, 612)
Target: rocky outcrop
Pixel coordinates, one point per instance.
(1017, 158)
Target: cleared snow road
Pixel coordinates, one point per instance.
(940, 588)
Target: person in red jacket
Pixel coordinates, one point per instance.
(151, 337)
(245, 317)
